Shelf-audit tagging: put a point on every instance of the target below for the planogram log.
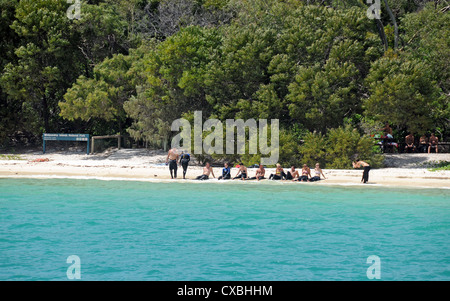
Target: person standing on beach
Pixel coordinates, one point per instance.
(172, 158)
(359, 164)
(207, 170)
(184, 162)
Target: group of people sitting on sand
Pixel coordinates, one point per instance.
(242, 174)
(260, 173)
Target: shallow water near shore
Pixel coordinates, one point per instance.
(125, 230)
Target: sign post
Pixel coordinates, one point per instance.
(66, 137)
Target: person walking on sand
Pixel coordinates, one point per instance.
(359, 164)
(207, 170)
(184, 162)
(172, 158)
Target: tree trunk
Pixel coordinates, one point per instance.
(391, 15)
(45, 113)
(382, 34)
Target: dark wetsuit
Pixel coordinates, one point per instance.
(226, 174)
(184, 160)
(277, 176)
(202, 177)
(243, 175)
(173, 168)
(366, 174)
(289, 176)
(256, 178)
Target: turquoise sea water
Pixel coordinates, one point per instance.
(124, 230)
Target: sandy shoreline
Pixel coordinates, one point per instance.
(149, 166)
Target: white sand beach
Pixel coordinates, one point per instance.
(406, 170)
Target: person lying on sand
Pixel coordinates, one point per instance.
(206, 171)
(358, 164)
(317, 173)
(242, 173)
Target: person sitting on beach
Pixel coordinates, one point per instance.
(317, 173)
(358, 164)
(260, 172)
(172, 155)
(279, 173)
(306, 174)
(206, 171)
(292, 174)
(242, 172)
(423, 143)
(184, 162)
(433, 144)
(409, 140)
(226, 172)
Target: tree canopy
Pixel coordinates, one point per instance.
(136, 66)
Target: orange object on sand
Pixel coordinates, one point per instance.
(40, 160)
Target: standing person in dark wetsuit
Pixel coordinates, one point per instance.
(172, 155)
(184, 162)
(358, 164)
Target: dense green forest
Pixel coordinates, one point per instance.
(329, 73)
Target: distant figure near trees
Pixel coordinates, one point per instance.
(433, 143)
(409, 140)
(172, 158)
(423, 143)
(387, 130)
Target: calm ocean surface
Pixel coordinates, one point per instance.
(124, 230)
